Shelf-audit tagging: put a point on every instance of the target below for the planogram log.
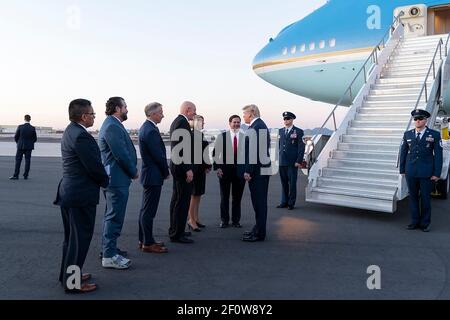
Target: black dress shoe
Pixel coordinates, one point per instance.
(182, 240)
(412, 227)
(426, 229)
(187, 234)
(290, 208)
(194, 229)
(14, 178)
(119, 252)
(200, 225)
(224, 225)
(25, 177)
(282, 206)
(237, 225)
(248, 233)
(252, 238)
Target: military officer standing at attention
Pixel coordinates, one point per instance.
(421, 162)
(291, 153)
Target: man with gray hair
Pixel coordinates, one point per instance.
(154, 171)
(254, 174)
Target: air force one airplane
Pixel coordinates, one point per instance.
(319, 56)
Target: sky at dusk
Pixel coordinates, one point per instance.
(54, 51)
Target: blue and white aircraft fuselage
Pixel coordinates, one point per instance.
(318, 56)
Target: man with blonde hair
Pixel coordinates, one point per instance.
(254, 174)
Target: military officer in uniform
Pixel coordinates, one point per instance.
(421, 162)
(291, 153)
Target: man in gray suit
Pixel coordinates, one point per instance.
(120, 161)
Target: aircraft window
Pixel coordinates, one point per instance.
(294, 49)
(322, 44)
(303, 48)
(333, 43)
(285, 51)
(312, 46)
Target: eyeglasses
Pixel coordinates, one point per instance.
(419, 119)
(287, 119)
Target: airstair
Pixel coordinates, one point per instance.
(359, 166)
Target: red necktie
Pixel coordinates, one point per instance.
(235, 148)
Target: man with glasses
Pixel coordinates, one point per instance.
(78, 192)
(291, 153)
(421, 162)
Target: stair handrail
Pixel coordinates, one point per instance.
(425, 84)
(374, 58)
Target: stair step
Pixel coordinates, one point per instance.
(355, 192)
(388, 176)
(407, 67)
(392, 102)
(418, 64)
(399, 81)
(394, 97)
(362, 164)
(396, 91)
(321, 196)
(378, 131)
(367, 138)
(401, 111)
(367, 185)
(386, 123)
(359, 155)
(382, 117)
(402, 74)
(373, 147)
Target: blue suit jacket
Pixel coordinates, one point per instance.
(291, 147)
(118, 152)
(25, 137)
(154, 157)
(254, 136)
(423, 159)
(83, 171)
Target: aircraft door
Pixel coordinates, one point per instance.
(415, 19)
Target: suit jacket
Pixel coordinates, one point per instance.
(253, 149)
(83, 171)
(223, 155)
(154, 157)
(25, 137)
(118, 152)
(423, 159)
(291, 147)
(180, 170)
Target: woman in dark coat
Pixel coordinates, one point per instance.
(200, 172)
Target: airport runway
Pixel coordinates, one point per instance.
(313, 252)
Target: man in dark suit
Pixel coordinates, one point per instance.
(257, 163)
(181, 166)
(291, 153)
(78, 191)
(154, 171)
(229, 145)
(421, 161)
(120, 160)
(25, 138)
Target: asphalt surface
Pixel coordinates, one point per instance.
(313, 252)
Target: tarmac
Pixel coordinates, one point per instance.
(314, 252)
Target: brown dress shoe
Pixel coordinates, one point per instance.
(154, 248)
(85, 288)
(161, 244)
(86, 277)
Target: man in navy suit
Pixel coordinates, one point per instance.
(291, 153)
(421, 161)
(78, 191)
(181, 166)
(25, 138)
(120, 160)
(229, 146)
(257, 163)
(154, 171)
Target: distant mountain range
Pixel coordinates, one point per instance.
(313, 132)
